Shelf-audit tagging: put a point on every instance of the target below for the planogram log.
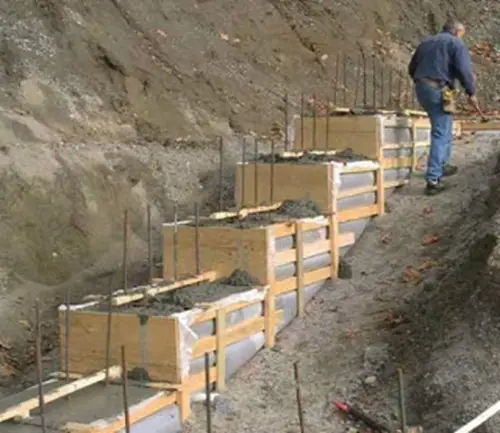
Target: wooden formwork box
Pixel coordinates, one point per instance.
(224, 249)
(265, 183)
(363, 134)
(367, 135)
(160, 344)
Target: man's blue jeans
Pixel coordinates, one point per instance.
(430, 99)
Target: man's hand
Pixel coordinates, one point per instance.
(475, 104)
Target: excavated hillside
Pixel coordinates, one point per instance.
(107, 105)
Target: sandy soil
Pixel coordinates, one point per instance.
(355, 334)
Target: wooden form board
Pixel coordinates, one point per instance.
(471, 126)
(161, 346)
(360, 133)
(264, 183)
(88, 336)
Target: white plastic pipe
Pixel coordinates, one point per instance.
(476, 422)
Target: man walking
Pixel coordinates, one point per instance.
(438, 61)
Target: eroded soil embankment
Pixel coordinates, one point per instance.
(61, 224)
(451, 345)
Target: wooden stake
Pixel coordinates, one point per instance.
(380, 189)
(220, 331)
(270, 325)
(413, 138)
(333, 227)
(299, 258)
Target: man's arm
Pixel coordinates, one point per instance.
(462, 63)
(413, 64)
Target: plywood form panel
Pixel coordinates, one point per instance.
(360, 133)
(313, 182)
(221, 249)
(257, 185)
(87, 348)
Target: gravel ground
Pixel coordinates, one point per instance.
(346, 343)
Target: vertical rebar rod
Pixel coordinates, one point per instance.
(271, 185)
(287, 144)
(176, 240)
(400, 91)
(356, 83)
(314, 122)
(402, 404)
(125, 391)
(365, 84)
(197, 238)
(243, 173)
(256, 173)
(344, 80)
(208, 393)
(221, 174)
(327, 124)
(382, 86)
(39, 364)
(390, 89)
(67, 335)
(150, 245)
(107, 359)
(374, 82)
(337, 78)
(125, 251)
(407, 92)
(298, 394)
(302, 121)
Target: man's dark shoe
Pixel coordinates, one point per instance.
(449, 170)
(434, 188)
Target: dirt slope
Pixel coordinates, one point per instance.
(94, 93)
(117, 68)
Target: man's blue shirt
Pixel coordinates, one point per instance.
(443, 57)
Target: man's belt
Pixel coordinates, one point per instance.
(437, 84)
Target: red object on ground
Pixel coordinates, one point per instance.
(341, 406)
(359, 415)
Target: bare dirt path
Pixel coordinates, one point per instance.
(341, 344)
